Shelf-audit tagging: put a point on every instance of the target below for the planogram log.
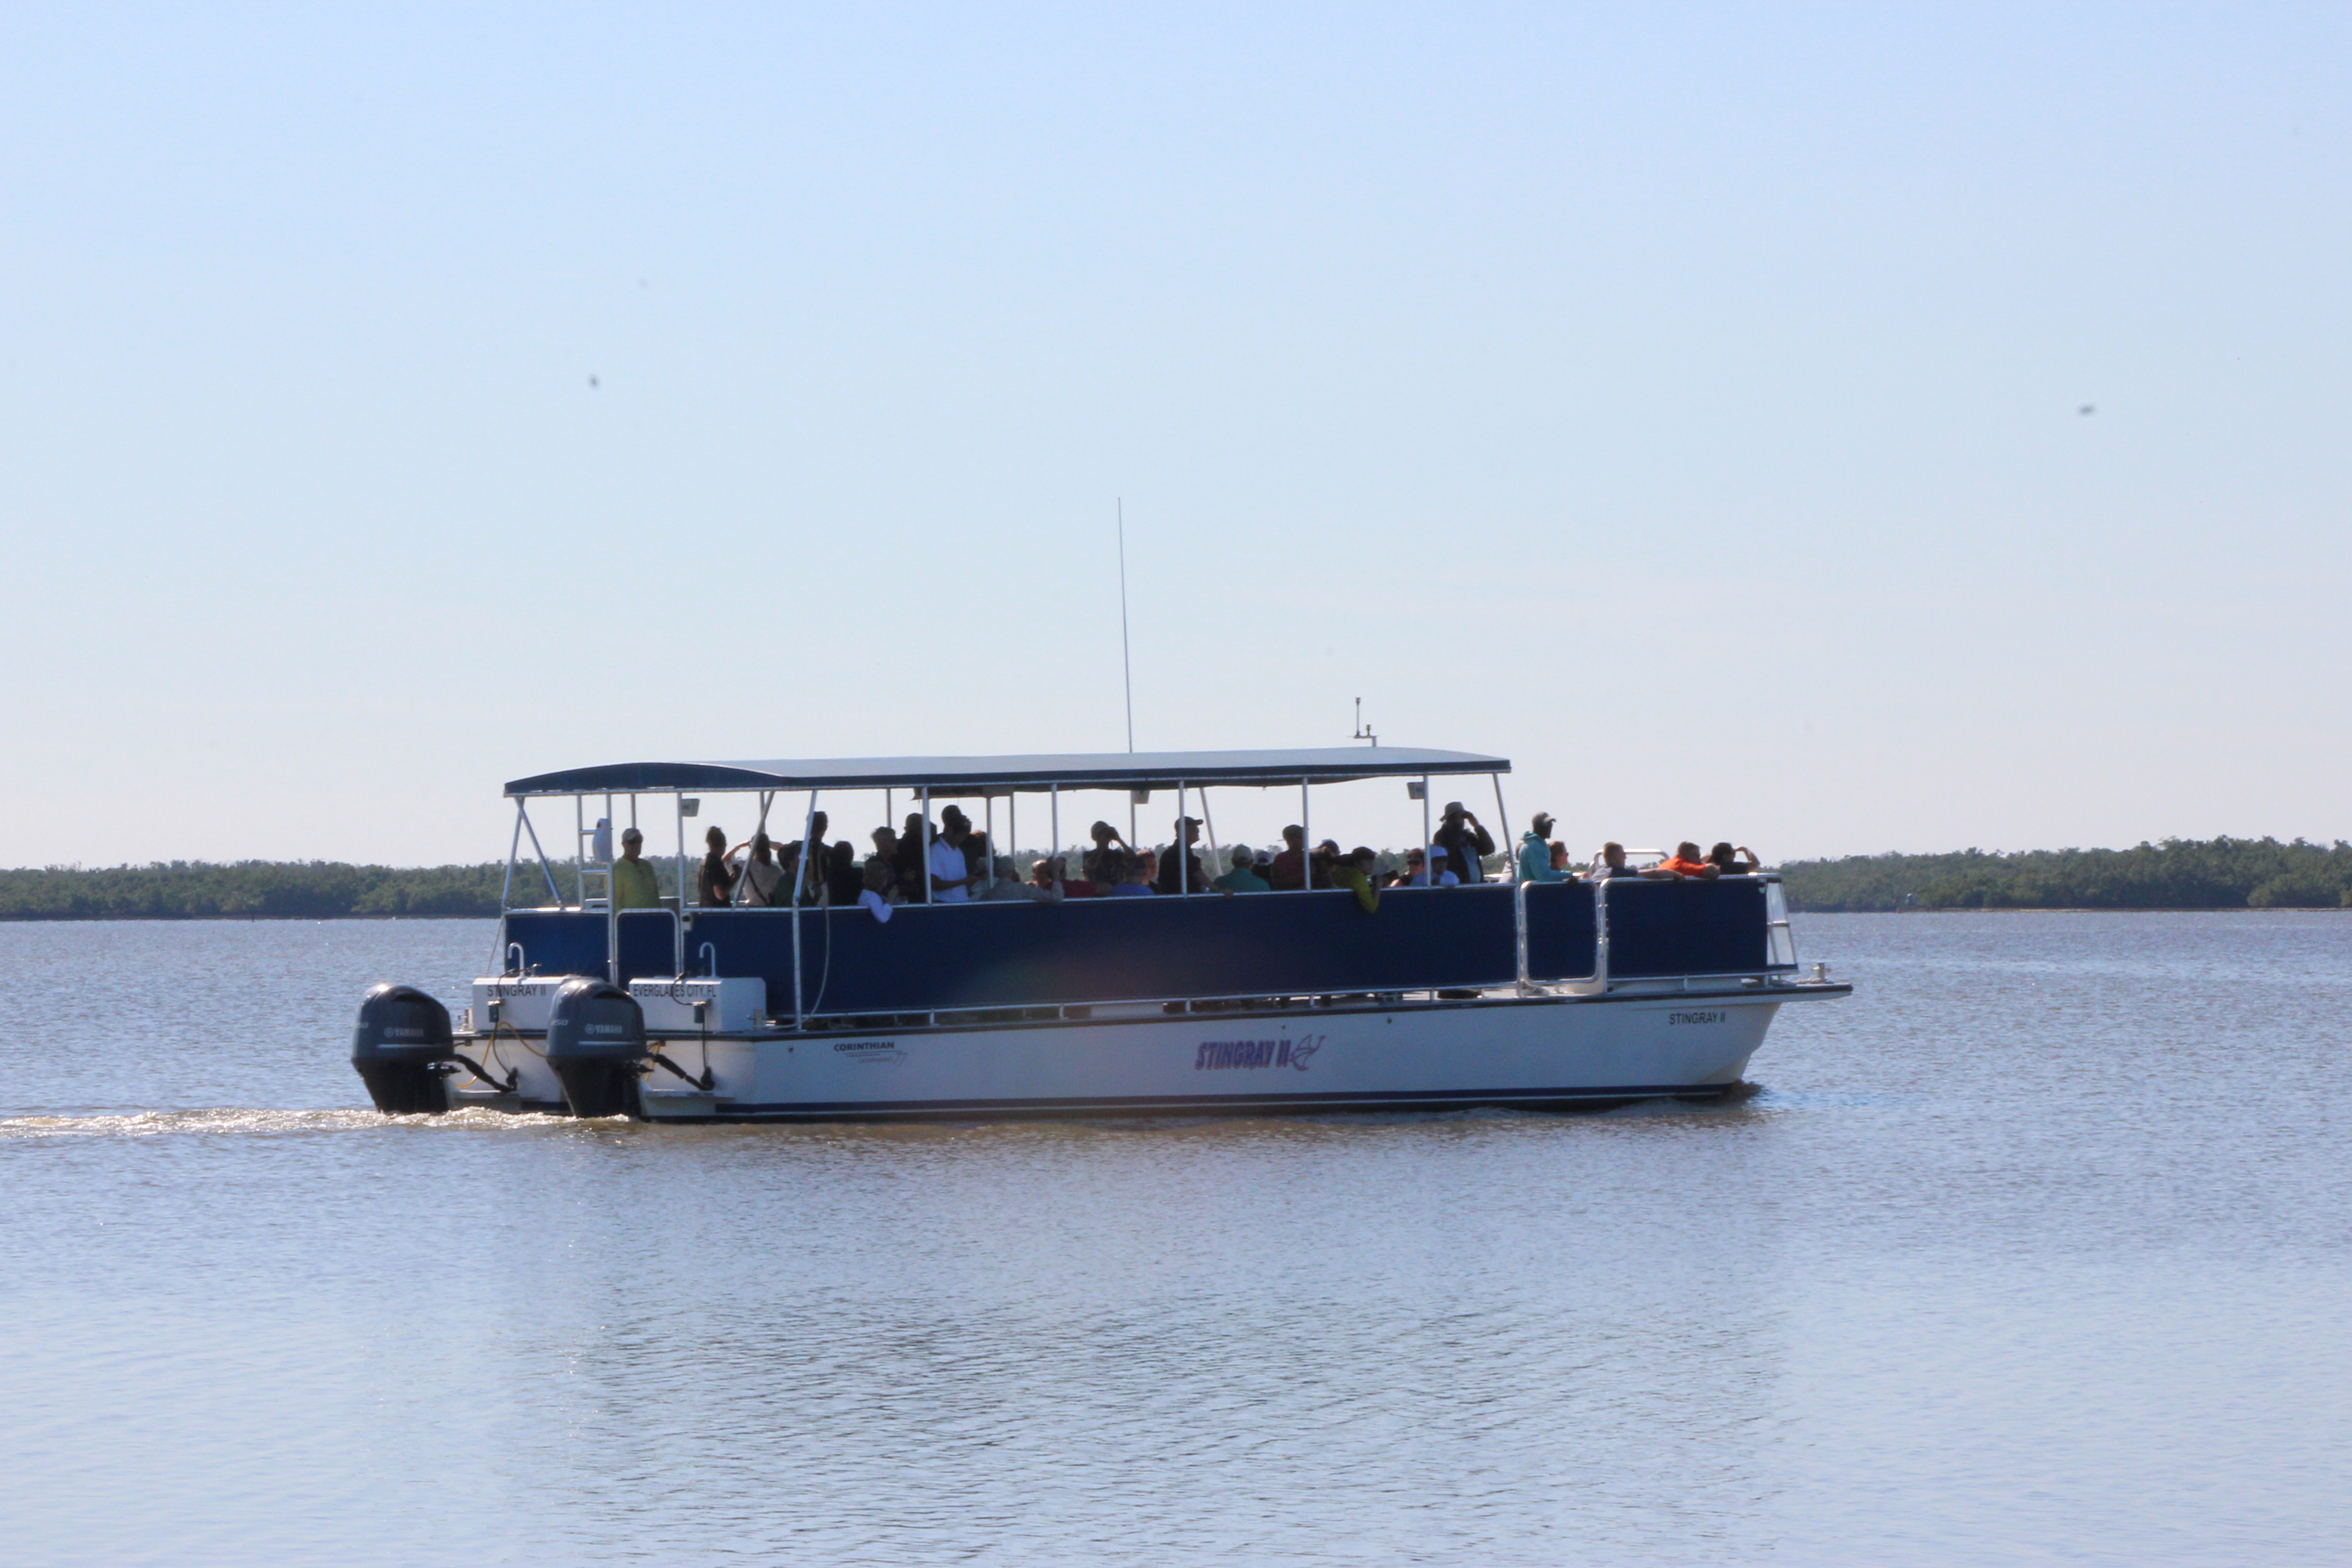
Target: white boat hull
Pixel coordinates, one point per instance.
(1553, 1050)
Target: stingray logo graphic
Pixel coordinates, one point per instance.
(1219, 1055)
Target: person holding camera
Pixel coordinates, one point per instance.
(1466, 841)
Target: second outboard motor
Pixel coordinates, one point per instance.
(596, 1044)
(402, 1034)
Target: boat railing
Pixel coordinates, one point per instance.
(1519, 923)
(1237, 1005)
(1779, 937)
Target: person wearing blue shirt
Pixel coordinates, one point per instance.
(1534, 853)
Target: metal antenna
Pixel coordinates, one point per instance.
(1126, 662)
(1362, 731)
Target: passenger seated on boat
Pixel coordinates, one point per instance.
(1243, 878)
(1684, 863)
(1612, 863)
(634, 884)
(1537, 862)
(1559, 861)
(1135, 881)
(1354, 871)
(1180, 860)
(951, 876)
(1047, 873)
(1417, 870)
(843, 880)
(1319, 864)
(878, 888)
(993, 882)
(1072, 887)
(715, 884)
(906, 861)
(762, 875)
(1726, 860)
(1008, 887)
(1287, 871)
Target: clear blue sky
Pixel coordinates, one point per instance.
(1684, 403)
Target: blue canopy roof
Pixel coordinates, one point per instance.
(999, 775)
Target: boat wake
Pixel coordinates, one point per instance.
(232, 1122)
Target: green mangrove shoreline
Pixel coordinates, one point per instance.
(2177, 875)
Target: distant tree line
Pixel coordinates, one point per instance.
(2177, 874)
(261, 889)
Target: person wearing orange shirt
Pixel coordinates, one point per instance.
(1685, 862)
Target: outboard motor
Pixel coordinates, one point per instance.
(402, 1035)
(596, 1044)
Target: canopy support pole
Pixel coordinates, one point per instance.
(514, 845)
(1209, 821)
(506, 890)
(1428, 842)
(743, 882)
(1055, 848)
(1305, 841)
(799, 881)
(1519, 888)
(1503, 819)
(544, 868)
(612, 906)
(926, 883)
(1183, 850)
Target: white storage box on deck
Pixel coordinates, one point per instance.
(731, 1007)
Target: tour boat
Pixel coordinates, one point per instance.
(1539, 996)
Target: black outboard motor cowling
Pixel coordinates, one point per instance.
(401, 1033)
(596, 1044)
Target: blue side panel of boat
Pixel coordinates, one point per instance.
(1563, 931)
(561, 941)
(1022, 954)
(995, 955)
(1018, 954)
(648, 945)
(1660, 929)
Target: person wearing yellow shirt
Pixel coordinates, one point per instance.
(635, 886)
(1354, 871)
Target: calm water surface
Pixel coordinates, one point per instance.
(2035, 1251)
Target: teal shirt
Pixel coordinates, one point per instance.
(1241, 879)
(1534, 860)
